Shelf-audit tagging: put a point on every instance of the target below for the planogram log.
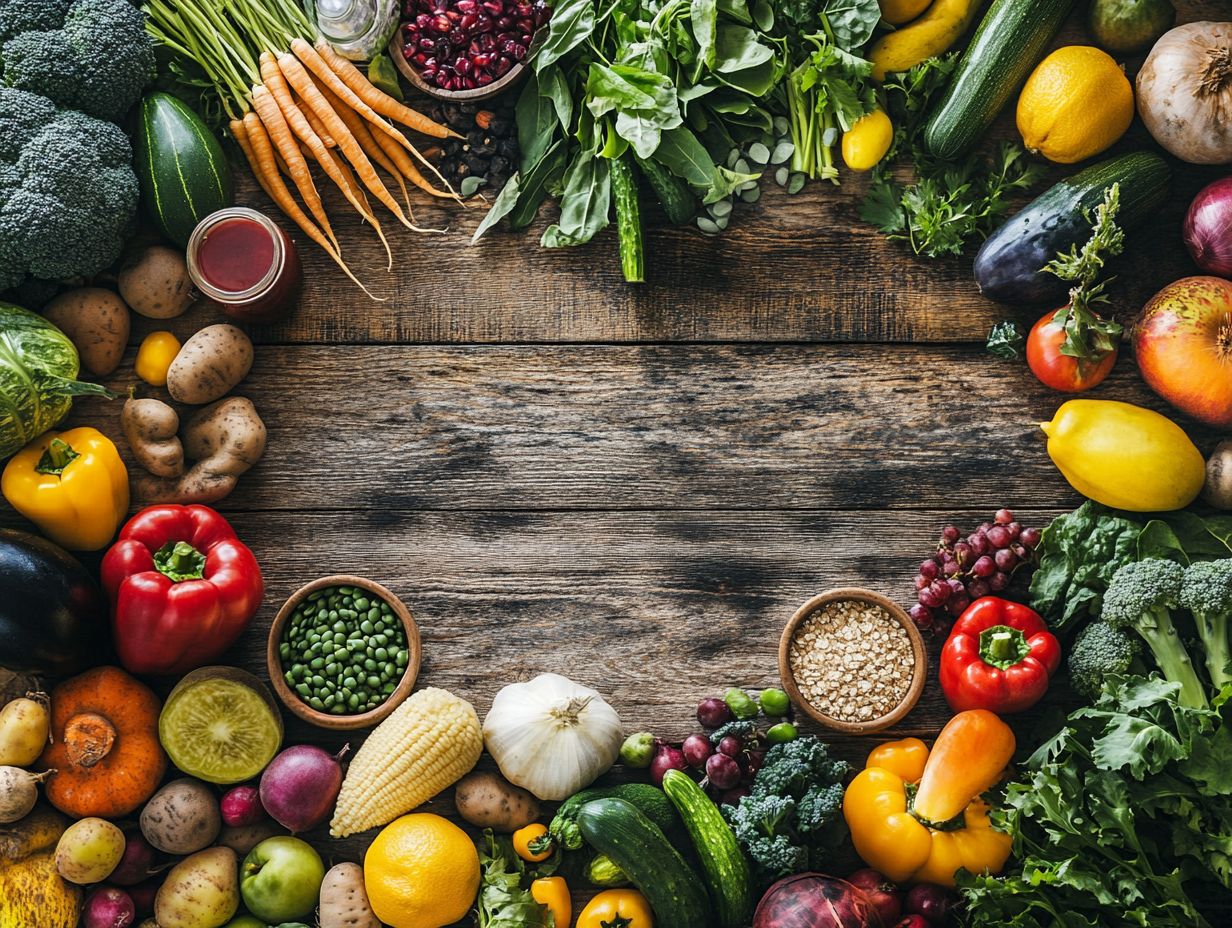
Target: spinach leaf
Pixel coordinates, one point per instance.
(851, 21)
(704, 15)
(572, 23)
(609, 89)
(738, 49)
(683, 154)
(555, 86)
(501, 207)
(585, 203)
(737, 10)
(536, 118)
(537, 184)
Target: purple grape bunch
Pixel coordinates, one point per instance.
(965, 569)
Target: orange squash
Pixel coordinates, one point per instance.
(104, 750)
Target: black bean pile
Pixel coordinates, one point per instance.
(482, 161)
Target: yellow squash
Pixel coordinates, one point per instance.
(867, 141)
(31, 891)
(1125, 456)
(897, 12)
(1076, 103)
(931, 34)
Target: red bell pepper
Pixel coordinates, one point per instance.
(182, 588)
(999, 656)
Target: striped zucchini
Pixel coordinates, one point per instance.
(183, 173)
(628, 220)
(723, 863)
(637, 846)
(1009, 43)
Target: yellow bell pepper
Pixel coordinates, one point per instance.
(916, 814)
(72, 485)
(553, 892)
(617, 908)
(533, 843)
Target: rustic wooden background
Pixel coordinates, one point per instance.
(637, 486)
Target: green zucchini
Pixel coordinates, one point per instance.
(181, 168)
(1010, 265)
(1009, 43)
(723, 863)
(650, 800)
(628, 220)
(637, 846)
(673, 193)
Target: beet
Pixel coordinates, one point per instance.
(108, 908)
(814, 900)
(137, 863)
(300, 785)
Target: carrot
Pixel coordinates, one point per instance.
(280, 137)
(361, 88)
(398, 155)
(300, 80)
(317, 126)
(251, 136)
(354, 191)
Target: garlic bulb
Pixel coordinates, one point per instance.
(551, 735)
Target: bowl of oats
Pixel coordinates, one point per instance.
(852, 660)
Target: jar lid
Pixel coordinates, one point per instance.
(345, 19)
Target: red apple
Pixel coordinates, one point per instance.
(1183, 341)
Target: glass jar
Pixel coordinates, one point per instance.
(358, 29)
(245, 264)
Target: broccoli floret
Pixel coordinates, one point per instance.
(763, 826)
(1141, 597)
(1206, 591)
(794, 767)
(68, 194)
(88, 55)
(1100, 650)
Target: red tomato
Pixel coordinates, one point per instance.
(1060, 371)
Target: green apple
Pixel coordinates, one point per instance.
(246, 921)
(280, 879)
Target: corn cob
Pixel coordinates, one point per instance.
(425, 746)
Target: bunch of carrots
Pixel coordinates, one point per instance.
(292, 102)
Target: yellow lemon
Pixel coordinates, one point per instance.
(421, 872)
(867, 141)
(897, 12)
(1077, 103)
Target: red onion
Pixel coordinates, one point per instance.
(108, 908)
(931, 901)
(1208, 228)
(299, 786)
(137, 862)
(696, 750)
(713, 713)
(667, 757)
(882, 893)
(241, 805)
(722, 772)
(813, 900)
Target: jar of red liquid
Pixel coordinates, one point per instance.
(242, 261)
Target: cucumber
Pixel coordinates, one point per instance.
(637, 846)
(183, 173)
(649, 800)
(674, 194)
(628, 221)
(1010, 41)
(1010, 265)
(723, 863)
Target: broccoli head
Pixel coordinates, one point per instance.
(68, 194)
(87, 55)
(795, 767)
(1206, 591)
(764, 827)
(1140, 598)
(1100, 650)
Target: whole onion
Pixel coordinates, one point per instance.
(300, 785)
(667, 757)
(1185, 92)
(931, 901)
(884, 896)
(1208, 228)
(814, 900)
(108, 908)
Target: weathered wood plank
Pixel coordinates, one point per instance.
(684, 427)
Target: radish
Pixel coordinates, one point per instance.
(108, 908)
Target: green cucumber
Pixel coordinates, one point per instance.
(1009, 43)
(628, 220)
(649, 800)
(181, 168)
(638, 847)
(723, 863)
(673, 193)
(1009, 267)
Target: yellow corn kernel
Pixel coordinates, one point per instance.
(154, 357)
(425, 746)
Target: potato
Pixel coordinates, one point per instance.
(181, 818)
(25, 724)
(344, 901)
(152, 429)
(223, 440)
(89, 850)
(156, 283)
(488, 800)
(96, 321)
(201, 891)
(243, 838)
(210, 364)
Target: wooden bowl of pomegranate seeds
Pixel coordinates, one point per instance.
(466, 50)
(853, 660)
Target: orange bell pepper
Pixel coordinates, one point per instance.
(916, 814)
(553, 893)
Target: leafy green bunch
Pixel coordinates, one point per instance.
(504, 899)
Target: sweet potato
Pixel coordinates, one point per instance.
(96, 321)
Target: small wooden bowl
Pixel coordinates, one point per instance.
(291, 699)
(919, 670)
(515, 74)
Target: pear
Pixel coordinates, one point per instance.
(201, 891)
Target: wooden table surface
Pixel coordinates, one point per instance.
(637, 486)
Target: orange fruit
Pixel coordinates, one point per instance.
(422, 871)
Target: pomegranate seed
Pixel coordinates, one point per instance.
(426, 44)
(483, 23)
(467, 83)
(504, 23)
(481, 60)
(526, 25)
(466, 6)
(503, 65)
(483, 78)
(462, 65)
(519, 52)
(524, 10)
(441, 24)
(420, 59)
(467, 22)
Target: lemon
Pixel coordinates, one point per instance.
(1075, 104)
(421, 872)
(867, 141)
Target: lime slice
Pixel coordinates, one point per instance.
(220, 725)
